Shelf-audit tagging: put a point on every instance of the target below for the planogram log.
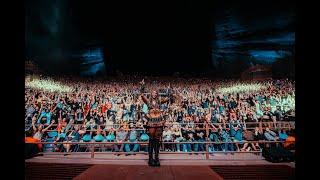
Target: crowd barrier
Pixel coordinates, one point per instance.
(274, 125)
(93, 145)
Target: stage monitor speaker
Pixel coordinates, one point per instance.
(277, 154)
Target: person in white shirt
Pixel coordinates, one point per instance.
(167, 136)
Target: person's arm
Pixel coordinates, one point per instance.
(144, 99)
(70, 133)
(48, 119)
(224, 123)
(69, 125)
(142, 88)
(82, 106)
(40, 117)
(273, 133)
(244, 124)
(214, 128)
(126, 137)
(33, 126)
(268, 137)
(164, 100)
(85, 114)
(53, 109)
(117, 136)
(180, 133)
(85, 122)
(45, 129)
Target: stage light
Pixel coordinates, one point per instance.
(46, 85)
(237, 88)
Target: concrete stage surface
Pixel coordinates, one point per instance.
(141, 172)
(173, 167)
(166, 159)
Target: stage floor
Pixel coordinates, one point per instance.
(164, 172)
(105, 172)
(166, 159)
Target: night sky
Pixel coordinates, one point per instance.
(88, 37)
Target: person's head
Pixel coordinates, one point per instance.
(76, 127)
(40, 127)
(154, 94)
(91, 120)
(283, 131)
(175, 129)
(121, 128)
(190, 135)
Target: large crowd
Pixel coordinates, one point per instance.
(67, 109)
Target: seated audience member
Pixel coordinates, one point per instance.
(270, 135)
(290, 141)
(167, 136)
(144, 138)
(283, 135)
(227, 141)
(109, 138)
(199, 137)
(87, 137)
(178, 138)
(132, 137)
(74, 136)
(248, 136)
(214, 137)
(188, 135)
(111, 135)
(258, 136)
(39, 131)
(121, 137)
(98, 137)
(238, 138)
(31, 149)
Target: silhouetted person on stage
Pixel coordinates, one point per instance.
(154, 124)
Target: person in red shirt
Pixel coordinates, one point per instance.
(86, 109)
(109, 105)
(31, 149)
(61, 124)
(104, 108)
(33, 140)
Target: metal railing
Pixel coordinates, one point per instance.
(274, 125)
(93, 145)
